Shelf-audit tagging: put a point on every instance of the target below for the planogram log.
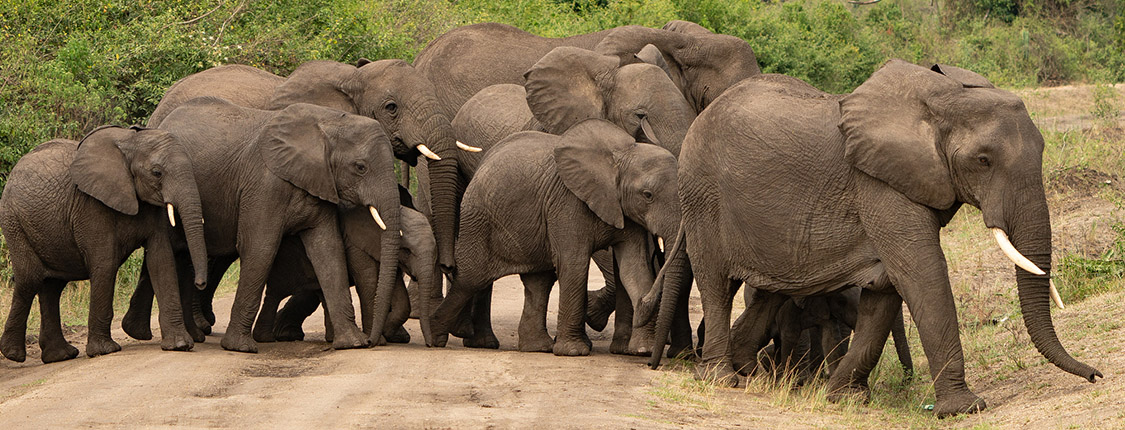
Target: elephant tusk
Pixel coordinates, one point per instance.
(660, 243)
(171, 215)
(467, 147)
(428, 153)
(1055, 297)
(1013, 254)
(375, 215)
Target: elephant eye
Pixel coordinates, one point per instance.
(156, 173)
(647, 194)
(984, 161)
(391, 107)
(360, 167)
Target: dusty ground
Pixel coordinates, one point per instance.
(305, 384)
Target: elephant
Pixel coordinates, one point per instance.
(467, 59)
(539, 206)
(77, 210)
(299, 283)
(286, 172)
(793, 190)
(807, 332)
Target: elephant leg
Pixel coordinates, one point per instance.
(482, 337)
(14, 341)
(257, 246)
(400, 312)
(364, 271)
(788, 322)
(834, 344)
(203, 313)
(681, 329)
(902, 345)
(137, 320)
(414, 292)
(325, 249)
(601, 303)
(98, 339)
(264, 327)
(571, 339)
(533, 336)
(717, 290)
(168, 276)
(753, 328)
(622, 323)
(291, 317)
(874, 324)
(454, 307)
(329, 331)
(635, 276)
(51, 341)
(187, 292)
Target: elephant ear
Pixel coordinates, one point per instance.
(968, 79)
(565, 87)
(651, 54)
(892, 135)
(100, 169)
(295, 148)
(586, 161)
(318, 83)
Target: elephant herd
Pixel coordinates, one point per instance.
(540, 156)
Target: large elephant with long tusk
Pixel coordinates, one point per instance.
(793, 190)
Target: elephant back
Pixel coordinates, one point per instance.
(491, 115)
(242, 85)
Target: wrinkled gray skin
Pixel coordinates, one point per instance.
(73, 211)
(539, 206)
(808, 333)
(286, 172)
(390, 91)
(467, 59)
(361, 242)
(830, 191)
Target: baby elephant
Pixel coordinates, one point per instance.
(293, 275)
(540, 205)
(70, 211)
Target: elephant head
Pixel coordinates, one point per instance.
(702, 64)
(569, 85)
(390, 91)
(118, 166)
(620, 178)
(343, 159)
(943, 136)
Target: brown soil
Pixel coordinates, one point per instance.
(306, 384)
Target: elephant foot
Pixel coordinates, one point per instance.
(620, 345)
(397, 334)
(289, 333)
(137, 326)
(572, 347)
(463, 329)
(63, 352)
(197, 334)
(264, 334)
(98, 345)
(204, 324)
(486, 341)
(239, 342)
(14, 349)
(350, 337)
(440, 340)
(177, 342)
(855, 391)
(683, 352)
(600, 305)
(964, 403)
(641, 342)
(541, 342)
(719, 373)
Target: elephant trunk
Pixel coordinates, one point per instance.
(1030, 230)
(674, 279)
(185, 199)
(390, 248)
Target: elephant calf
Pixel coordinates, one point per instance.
(70, 211)
(539, 206)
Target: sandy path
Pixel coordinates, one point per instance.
(304, 384)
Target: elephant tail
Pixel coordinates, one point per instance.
(674, 279)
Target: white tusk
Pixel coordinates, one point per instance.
(467, 147)
(1055, 297)
(400, 232)
(1015, 256)
(375, 215)
(428, 153)
(171, 215)
(660, 243)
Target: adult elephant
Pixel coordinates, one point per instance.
(76, 210)
(286, 172)
(540, 205)
(829, 191)
(362, 247)
(467, 59)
